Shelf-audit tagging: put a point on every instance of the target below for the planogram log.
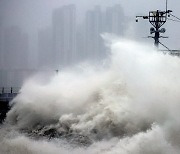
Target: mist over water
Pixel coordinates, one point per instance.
(130, 104)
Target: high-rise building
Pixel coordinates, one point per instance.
(80, 42)
(64, 35)
(15, 56)
(1, 47)
(2, 73)
(45, 52)
(114, 20)
(15, 48)
(93, 26)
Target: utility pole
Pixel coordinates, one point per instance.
(157, 19)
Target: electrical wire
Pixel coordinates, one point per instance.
(171, 51)
(175, 16)
(164, 46)
(173, 20)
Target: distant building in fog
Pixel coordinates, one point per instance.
(72, 43)
(45, 50)
(15, 48)
(114, 20)
(80, 42)
(93, 29)
(3, 74)
(97, 23)
(14, 52)
(1, 47)
(64, 35)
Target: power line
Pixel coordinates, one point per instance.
(173, 20)
(164, 46)
(175, 16)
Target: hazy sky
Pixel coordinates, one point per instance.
(38, 12)
(35, 14)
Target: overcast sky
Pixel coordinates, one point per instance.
(35, 14)
(38, 12)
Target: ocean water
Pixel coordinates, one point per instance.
(128, 105)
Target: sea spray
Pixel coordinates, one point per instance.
(129, 106)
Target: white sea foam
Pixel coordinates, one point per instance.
(130, 105)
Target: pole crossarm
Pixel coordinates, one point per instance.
(157, 18)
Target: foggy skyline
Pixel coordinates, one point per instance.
(62, 43)
(81, 38)
(37, 13)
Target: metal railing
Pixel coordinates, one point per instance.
(8, 93)
(9, 90)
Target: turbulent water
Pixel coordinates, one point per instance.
(129, 105)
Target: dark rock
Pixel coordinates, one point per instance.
(4, 108)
